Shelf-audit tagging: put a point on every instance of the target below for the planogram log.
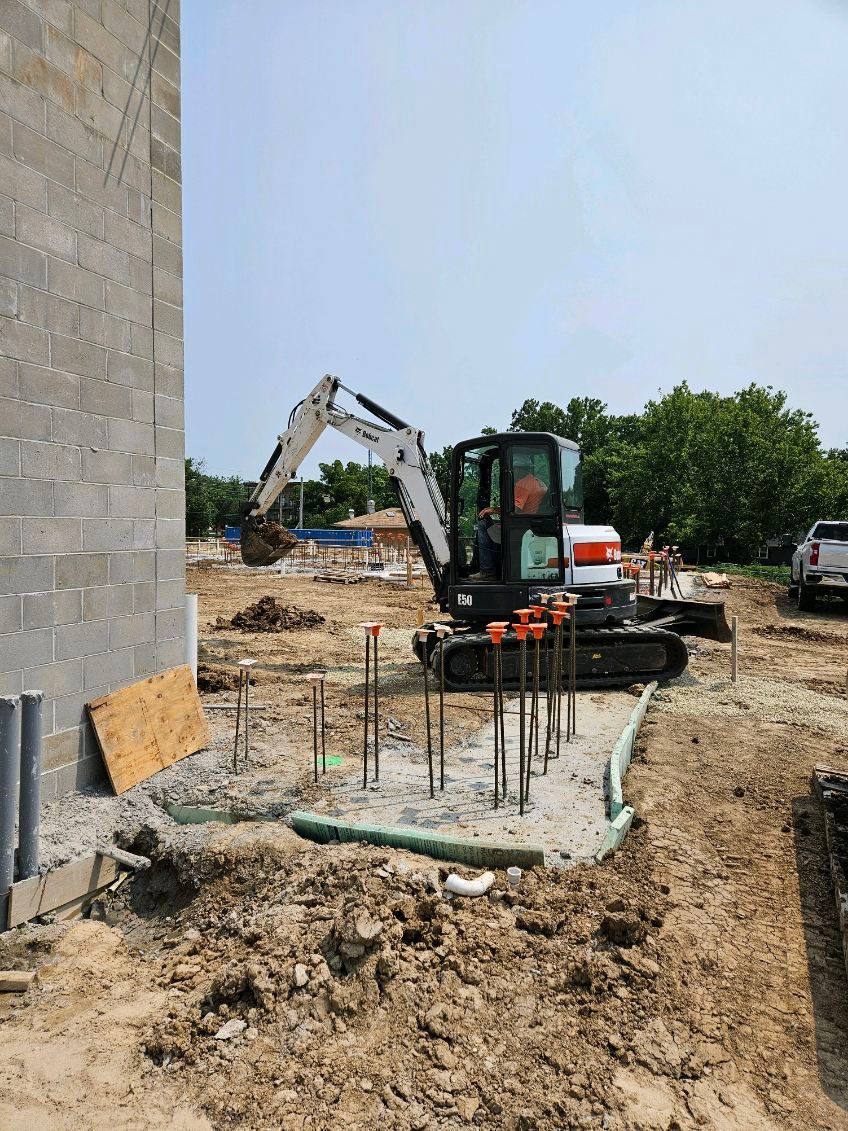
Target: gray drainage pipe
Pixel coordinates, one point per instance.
(29, 812)
(10, 765)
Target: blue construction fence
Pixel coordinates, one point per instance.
(361, 538)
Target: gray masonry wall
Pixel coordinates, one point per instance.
(92, 554)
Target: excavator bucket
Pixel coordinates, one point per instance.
(689, 618)
(264, 542)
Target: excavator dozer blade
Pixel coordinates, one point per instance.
(264, 542)
(695, 618)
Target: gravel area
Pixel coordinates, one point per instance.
(766, 700)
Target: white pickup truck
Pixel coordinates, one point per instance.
(820, 564)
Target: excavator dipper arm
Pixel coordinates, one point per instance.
(398, 445)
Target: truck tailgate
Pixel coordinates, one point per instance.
(833, 554)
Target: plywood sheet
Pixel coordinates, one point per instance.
(41, 894)
(148, 726)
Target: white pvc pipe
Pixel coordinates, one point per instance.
(191, 633)
(478, 886)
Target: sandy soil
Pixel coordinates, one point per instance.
(695, 980)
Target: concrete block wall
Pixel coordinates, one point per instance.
(92, 555)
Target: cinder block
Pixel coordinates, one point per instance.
(49, 312)
(169, 320)
(73, 209)
(131, 237)
(143, 407)
(67, 56)
(61, 750)
(5, 132)
(29, 421)
(12, 683)
(170, 594)
(74, 135)
(138, 207)
(128, 303)
(24, 264)
(43, 155)
(168, 225)
(49, 461)
(95, 603)
(75, 356)
(170, 653)
(86, 772)
(90, 34)
(164, 93)
(61, 678)
(107, 534)
(105, 329)
(136, 629)
(10, 458)
(10, 613)
(166, 159)
(108, 120)
(105, 466)
(144, 470)
(52, 536)
(165, 190)
(168, 350)
(170, 504)
(132, 502)
(141, 341)
(144, 597)
(145, 565)
(81, 639)
(69, 710)
(165, 127)
(126, 369)
(26, 649)
(96, 185)
(167, 286)
(25, 575)
(145, 660)
(106, 398)
(74, 283)
(170, 564)
(170, 473)
(22, 23)
(25, 185)
(45, 386)
(122, 568)
(26, 343)
(73, 427)
(167, 256)
(24, 497)
(43, 610)
(10, 536)
(131, 436)
(32, 69)
(103, 259)
(8, 290)
(8, 378)
(140, 277)
(118, 92)
(20, 103)
(170, 443)
(79, 571)
(114, 668)
(82, 500)
(144, 534)
(8, 304)
(122, 601)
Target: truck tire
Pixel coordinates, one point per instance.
(792, 587)
(806, 596)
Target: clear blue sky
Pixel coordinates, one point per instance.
(457, 205)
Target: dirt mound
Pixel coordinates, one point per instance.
(269, 616)
(796, 632)
(211, 679)
(265, 543)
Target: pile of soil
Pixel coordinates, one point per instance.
(796, 632)
(269, 616)
(265, 543)
(211, 679)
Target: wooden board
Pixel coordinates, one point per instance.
(148, 726)
(41, 894)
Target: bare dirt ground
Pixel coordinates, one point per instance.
(695, 980)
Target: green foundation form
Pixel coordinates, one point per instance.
(476, 853)
(621, 815)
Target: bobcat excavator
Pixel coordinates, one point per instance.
(536, 540)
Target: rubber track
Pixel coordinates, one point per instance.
(677, 657)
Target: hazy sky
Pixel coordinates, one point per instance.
(457, 205)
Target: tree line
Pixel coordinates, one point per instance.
(697, 468)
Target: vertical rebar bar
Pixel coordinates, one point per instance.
(427, 714)
(323, 732)
(496, 719)
(238, 723)
(522, 689)
(247, 717)
(10, 764)
(441, 712)
(376, 714)
(567, 665)
(574, 671)
(502, 725)
(534, 717)
(651, 572)
(314, 733)
(367, 705)
(29, 808)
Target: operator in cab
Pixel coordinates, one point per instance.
(528, 494)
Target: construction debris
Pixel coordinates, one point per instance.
(714, 580)
(16, 981)
(269, 616)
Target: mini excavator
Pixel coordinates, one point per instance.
(534, 541)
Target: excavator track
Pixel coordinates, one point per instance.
(605, 657)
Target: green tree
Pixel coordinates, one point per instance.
(198, 507)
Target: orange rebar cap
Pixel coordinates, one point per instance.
(538, 630)
(523, 614)
(557, 615)
(538, 611)
(496, 632)
(372, 627)
(521, 630)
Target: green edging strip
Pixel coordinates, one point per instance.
(623, 751)
(616, 832)
(476, 853)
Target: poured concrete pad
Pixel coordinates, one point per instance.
(566, 812)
